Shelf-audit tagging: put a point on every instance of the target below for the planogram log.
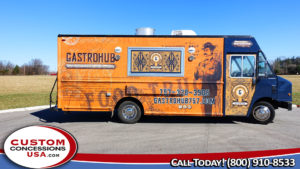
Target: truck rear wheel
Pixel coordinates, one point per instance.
(129, 112)
(263, 112)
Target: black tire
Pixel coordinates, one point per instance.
(129, 112)
(262, 112)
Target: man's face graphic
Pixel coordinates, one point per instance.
(207, 53)
(209, 64)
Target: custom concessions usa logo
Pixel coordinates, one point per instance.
(40, 147)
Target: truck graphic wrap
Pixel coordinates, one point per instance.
(167, 75)
(155, 61)
(157, 73)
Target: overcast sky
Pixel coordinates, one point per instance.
(29, 29)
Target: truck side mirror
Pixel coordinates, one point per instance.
(262, 69)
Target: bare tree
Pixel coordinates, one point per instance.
(1, 65)
(6, 68)
(35, 67)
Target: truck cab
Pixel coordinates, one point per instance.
(271, 88)
(252, 81)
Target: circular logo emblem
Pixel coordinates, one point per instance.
(40, 147)
(155, 57)
(240, 91)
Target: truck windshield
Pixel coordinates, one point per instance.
(264, 69)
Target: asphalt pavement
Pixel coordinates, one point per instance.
(98, 133)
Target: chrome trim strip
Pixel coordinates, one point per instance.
(90, 66)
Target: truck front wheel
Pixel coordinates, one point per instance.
(129, 112)
(263, 112)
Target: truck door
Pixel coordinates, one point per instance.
(240, 71)
(267, 81)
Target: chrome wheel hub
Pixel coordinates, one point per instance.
(262, 113)
(129, 112)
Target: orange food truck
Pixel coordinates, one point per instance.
(168, 75)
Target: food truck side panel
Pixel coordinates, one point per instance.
(155, 71)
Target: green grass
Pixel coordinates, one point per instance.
(296, 98)
(9, 101)
(295, 79)
(25, 91)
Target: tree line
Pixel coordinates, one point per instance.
(33, 67)
(286, 66)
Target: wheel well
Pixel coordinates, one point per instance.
(270, 100)
(128, 99)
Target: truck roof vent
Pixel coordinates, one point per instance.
(144, 31)
(183, 32)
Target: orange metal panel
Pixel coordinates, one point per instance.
(92, 88)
